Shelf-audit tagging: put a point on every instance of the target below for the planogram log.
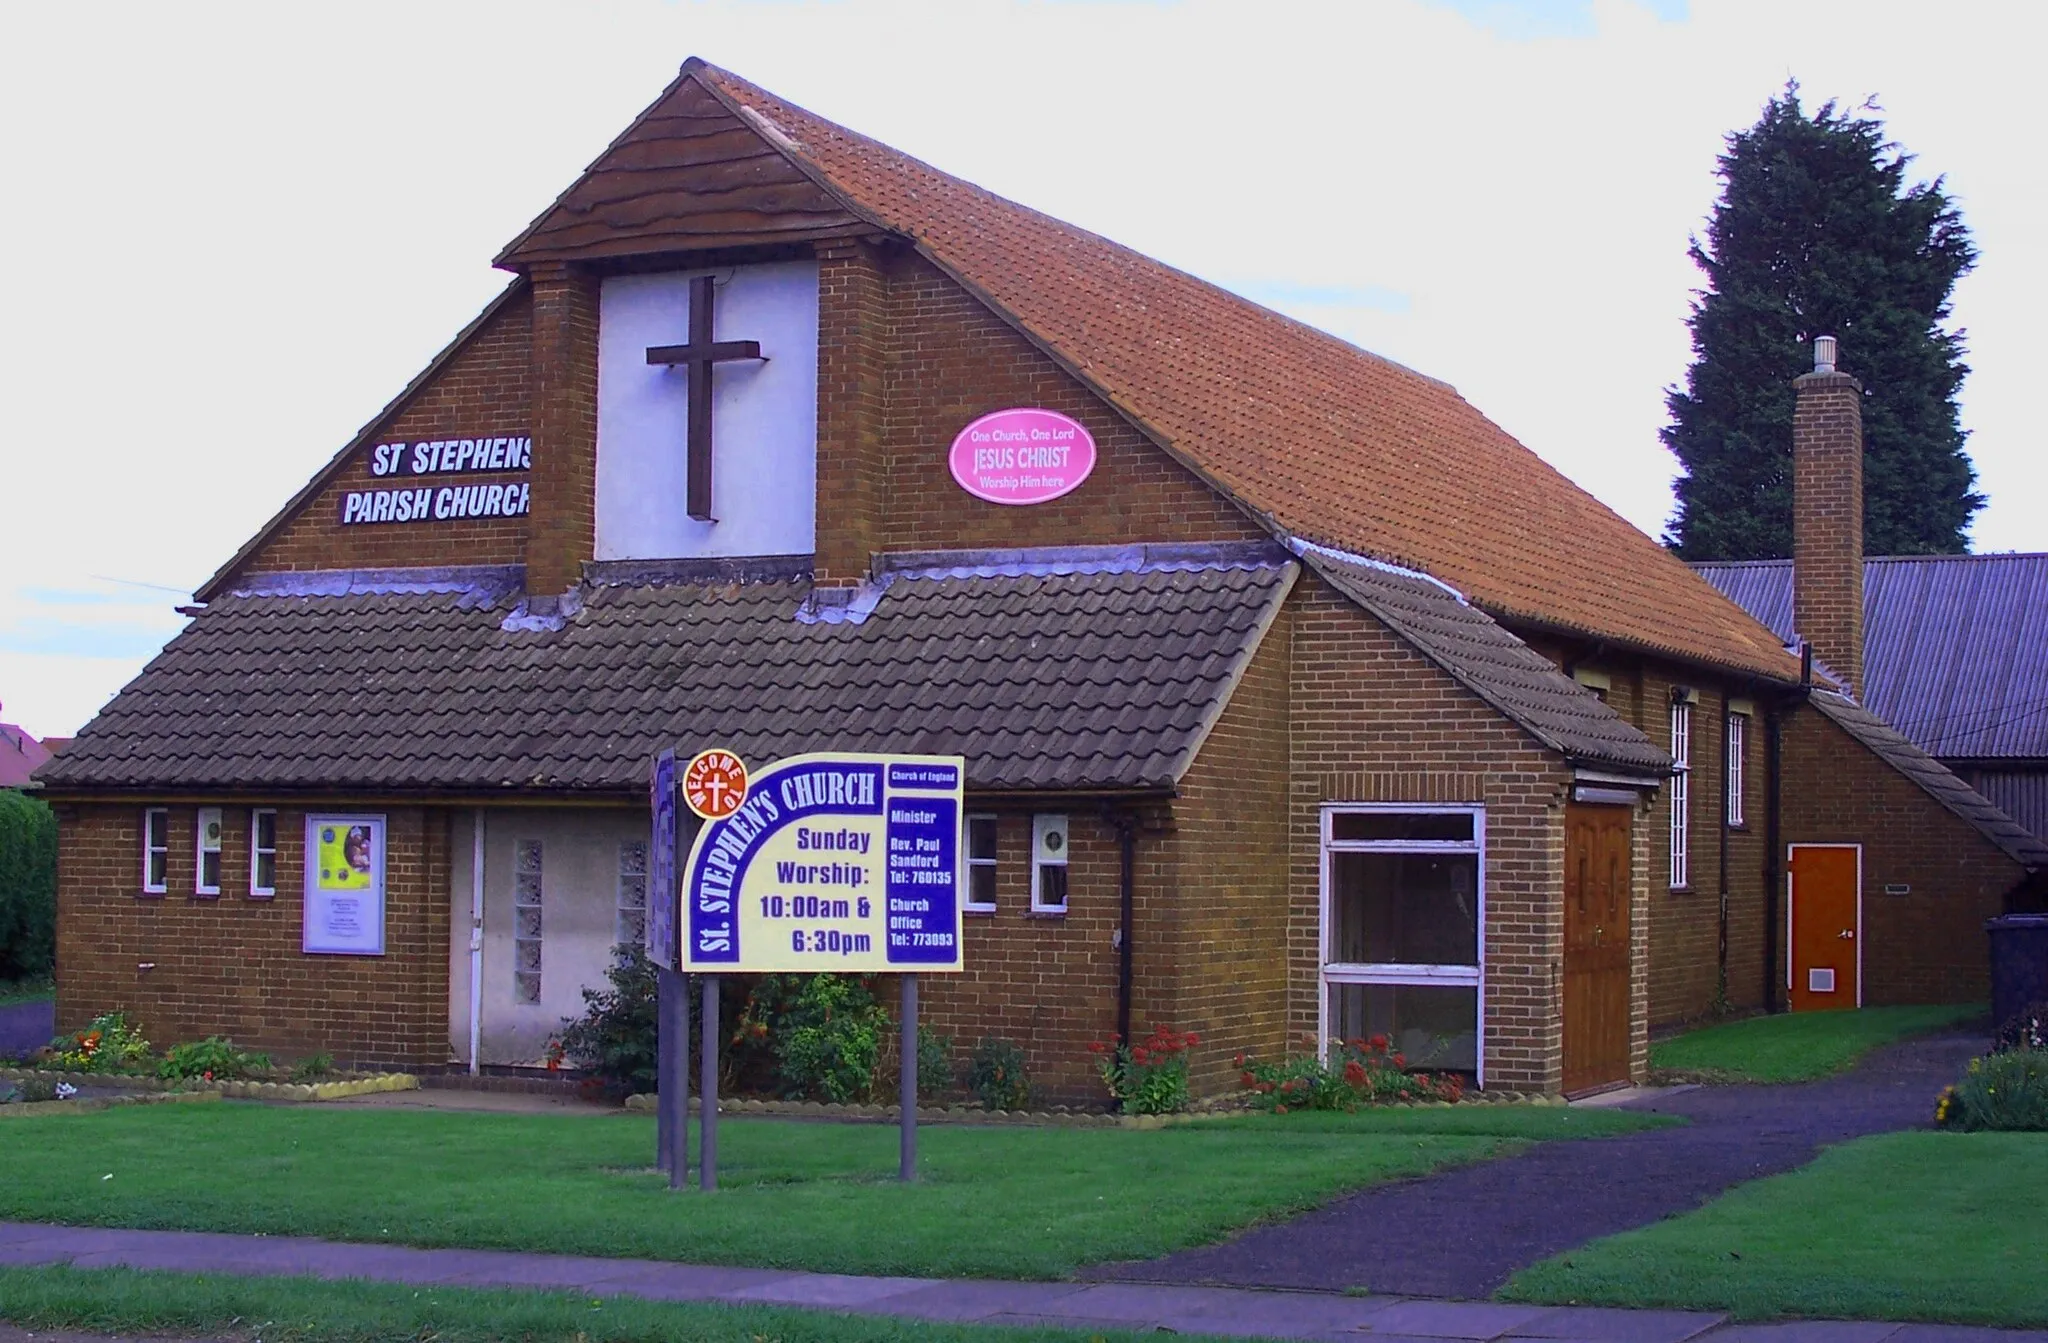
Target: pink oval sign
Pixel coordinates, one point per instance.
(1022, 456)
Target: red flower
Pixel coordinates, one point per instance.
(1246, 1079)
(1191, 1038)
(1354, 1073)
(1400, 1060)
(1141, 1056)
(1378, 1042)
(1238, 1061)
(1279, 1109)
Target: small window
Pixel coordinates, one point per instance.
(526, 921)
(207, 871)
(1048, 864)
(981, 863)
(631, 930)
(1738, 732)
(1681, 795)
(156, 850)
(262, 853)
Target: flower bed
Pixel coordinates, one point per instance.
(338, 1088)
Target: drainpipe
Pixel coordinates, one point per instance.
(1773, 791)
(1127, 880)
(476, 940)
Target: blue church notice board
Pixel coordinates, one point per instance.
(850, 863)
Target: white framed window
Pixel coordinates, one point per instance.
(631, 927)
(1049, 863)
(1738, 767)
(981, 863)
(263, 853)
(1681, 794)
(156, 850)
(527, 887)
(206, 831)
(1404, 919)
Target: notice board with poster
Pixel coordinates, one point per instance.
(344, 913)
(841, 862)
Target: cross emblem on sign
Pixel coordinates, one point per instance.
(698, 356)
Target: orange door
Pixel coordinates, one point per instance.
(1596, 946)
(1826, 883)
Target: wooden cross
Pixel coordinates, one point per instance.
(698, 356)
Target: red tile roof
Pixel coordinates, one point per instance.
(1326, 441)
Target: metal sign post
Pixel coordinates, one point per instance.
(906, 1123)
(672, 1003)
(707, 1092)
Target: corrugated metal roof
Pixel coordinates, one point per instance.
(2020, 794)
(1955, 646)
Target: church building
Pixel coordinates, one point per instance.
(1297, 699)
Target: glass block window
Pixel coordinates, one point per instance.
(156, 850)
(981, 862)
(526, 920)
(263, 853)
(632, 903)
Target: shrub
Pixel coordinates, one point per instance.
(615, 1038)
(28, 886)
(934, 1064)
(828, 1043)
(108, 1045)
(1149, 1078)
(2028, 1029)
(1353, 1073)
(2007, 1090)
(313, 1067)
(213, 1059)
(996, 1075)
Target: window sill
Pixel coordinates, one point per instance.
(263, 895)
(206, 895)
(978, 911)
(1046, 914)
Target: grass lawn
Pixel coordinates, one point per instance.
(1902, 1226)
(14, 991)
(305, 1310)
(994, 1202)
(1798, 1046)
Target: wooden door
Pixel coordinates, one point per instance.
(1825, 906)
(1596, 946)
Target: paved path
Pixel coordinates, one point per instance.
(1464, 1232)
(1135, 1306)
(26, 1027)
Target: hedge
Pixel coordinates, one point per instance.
(28, 886)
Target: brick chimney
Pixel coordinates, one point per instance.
(1827, 515)
(561, 522)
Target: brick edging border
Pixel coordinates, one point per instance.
(644, 1103)
(240, 1090)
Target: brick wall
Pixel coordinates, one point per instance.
(231, 965)
(1374, 721)
(483, 390)
(1927, 946)
(1213, 938)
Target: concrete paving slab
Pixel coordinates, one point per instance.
(1964, 1333)
(1451, 1319)
(827, 1289)
(1015, 1321)
(970, 1301)
(1222, 1310)
(1584, 1323)
(1807, 1331)
(680, 1282)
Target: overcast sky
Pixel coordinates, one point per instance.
(234, 233)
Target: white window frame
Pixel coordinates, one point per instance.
(1737, 747)
(1041, 821)
(150, 816)
(967, 902)
(1681, 795)
(200, 817)
(1393, 972)
(257, 853)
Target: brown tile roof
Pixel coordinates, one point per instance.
(1891, 746)
(1092, 676)
(1502, 670)
(1328, 442)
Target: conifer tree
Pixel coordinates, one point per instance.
(1817, 233)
